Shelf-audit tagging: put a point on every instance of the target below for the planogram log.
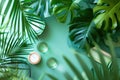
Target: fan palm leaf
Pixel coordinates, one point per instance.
(16, 14)
(11, 46)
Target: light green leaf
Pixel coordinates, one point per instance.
(64, 8)
(107, 14)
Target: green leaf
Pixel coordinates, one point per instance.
(11, 44)
(83, 33)
(13, 74)
(41, 8)
(74, 69)
(19, 19)
(63, 8)
(104, 65)
(67, 76)
(82, 30)
(115, 66)
(85, 68)
(107, 14)
(51, 76)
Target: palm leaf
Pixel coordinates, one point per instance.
(99, 71)
(51, 77)
(62, 8)
(104, 66)
(12, 74)
(74, 69)
(107, 14)
(19, 19)
(114, 60)
(11, 44)
(67, 76)
(85, 67)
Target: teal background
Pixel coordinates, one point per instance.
(56, 36)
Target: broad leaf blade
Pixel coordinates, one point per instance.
(64, 8)
(107, 14)
(83, 33)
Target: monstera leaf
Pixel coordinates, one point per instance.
(83, 34)
(62, 8)
(83, 31)
(16, 14)
(107, 14)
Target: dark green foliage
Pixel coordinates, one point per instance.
(82, 28)
(82, 31)
(92, 24)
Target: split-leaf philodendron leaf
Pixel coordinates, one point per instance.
(82, 34)
(64, 8)
(107, 14)
(83, 30)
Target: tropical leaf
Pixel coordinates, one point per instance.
(62, 8)
(13, 44)
(12, 47)
(115, 36)
(12, 74)
(98, 71)
(83, 31)
(41, 8)
(74, 69)
(114, 60)
(17, 16)
(52, 77)
(107, 14)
